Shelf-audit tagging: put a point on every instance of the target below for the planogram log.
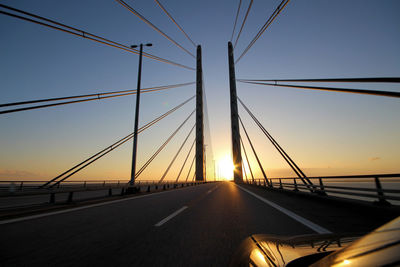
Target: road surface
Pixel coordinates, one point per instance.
(198, 226)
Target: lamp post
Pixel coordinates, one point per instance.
(215, 175)
(135, 131)
(205, 164)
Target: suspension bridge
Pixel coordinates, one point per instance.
(187, 215)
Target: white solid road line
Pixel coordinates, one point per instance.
(309, 224)
(166, 219)
(78, 208)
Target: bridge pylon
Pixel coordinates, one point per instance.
(236, 152)
(199, 118)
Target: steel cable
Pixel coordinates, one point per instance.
(245, 173)
(254, 151)
(173, 20)
(207, 131)
(99, 97)
(133, 11)
(286, 157)
(270, 138)
(157, 88)
(243, 23)
(83, 34)
(184, 162)
(116, 144)
(194, 176)
(278, 10)
(342, 90)
(191, 165)
(161, 147)
(176, 155)
(237, 15)
(356, 80)
(247, 159)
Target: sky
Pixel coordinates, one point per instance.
(326, 133)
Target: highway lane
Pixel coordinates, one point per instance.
(210, 230)
(201, 226)
(344, 216)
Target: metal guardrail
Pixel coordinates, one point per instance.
(32, 188)
(360, 187)
(11, 186)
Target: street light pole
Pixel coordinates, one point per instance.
(205, 163)
(135, 131)
(215, 176)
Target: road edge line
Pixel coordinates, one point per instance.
(309, 224)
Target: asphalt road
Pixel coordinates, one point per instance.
(197, 226)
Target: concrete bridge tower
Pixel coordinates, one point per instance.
(236, 152)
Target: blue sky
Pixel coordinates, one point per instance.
(325, 133)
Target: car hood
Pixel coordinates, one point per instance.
(379, 248)
(270, 250)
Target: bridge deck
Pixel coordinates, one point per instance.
(157, 229)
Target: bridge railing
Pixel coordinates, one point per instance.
(380, 188)
(27, 193)
(15, 186)
(31, 187)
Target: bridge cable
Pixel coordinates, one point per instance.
(137, 174)
(278, 10)
(98, 97)
(191, 165)
(94, 94)
(90, 162)
(207, 131)
(342, 90)
(254, 151)
(291, 163)
(61, 103)
(176, 155)
(113, 146)
(237, 15)
(184, 163)
(272, 140)
(173, 20)
(83, 34)
(247, 159)
(133, 11)
(356, 80)
(243, 23)
(245, 173)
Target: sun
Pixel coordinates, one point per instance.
(225, 168)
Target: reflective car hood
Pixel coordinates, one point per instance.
(379, 248)
(270, 250)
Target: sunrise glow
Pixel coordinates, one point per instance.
(225, 168)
